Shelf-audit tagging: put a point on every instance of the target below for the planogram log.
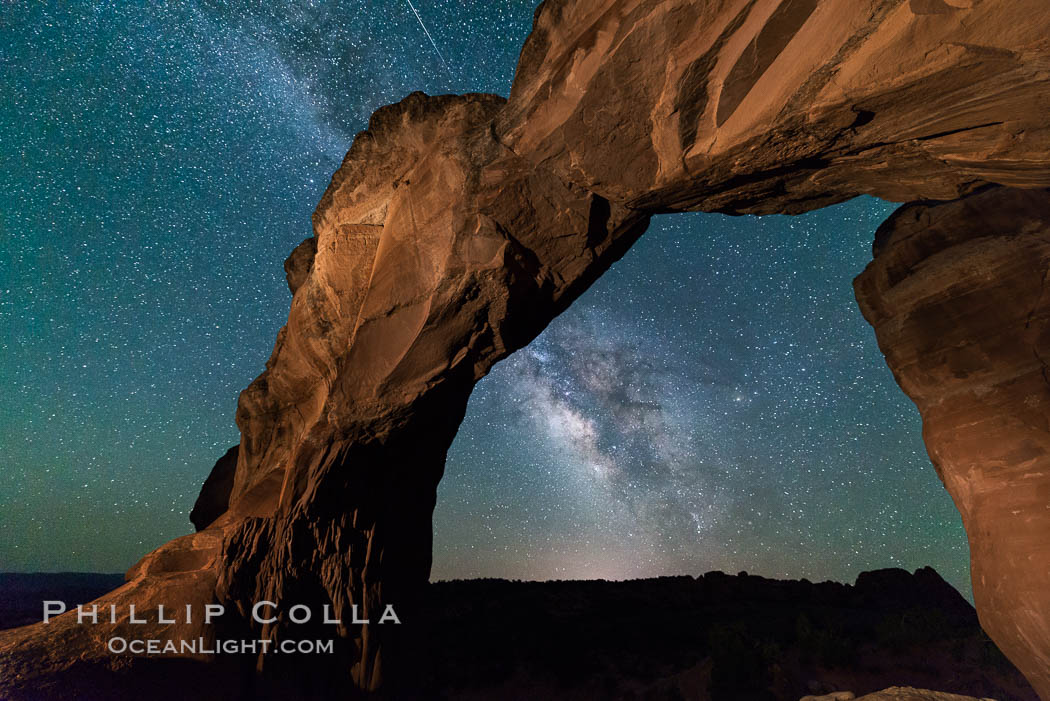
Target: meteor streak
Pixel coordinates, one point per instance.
(427, 32)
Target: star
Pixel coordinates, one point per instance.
(715, 401)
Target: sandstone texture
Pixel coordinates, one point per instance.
(33, 659)
(438, 252)
(957, 294)
(894, 693)
(457, 227)
(906, 693)
(766, 106)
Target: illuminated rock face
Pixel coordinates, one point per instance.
(438, 252)
(458, 227)
(782, 106)
(958, 296)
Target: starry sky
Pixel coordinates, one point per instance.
(715, 401)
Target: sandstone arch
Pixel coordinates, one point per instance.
(457, 227)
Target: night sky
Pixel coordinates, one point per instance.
(715, 401)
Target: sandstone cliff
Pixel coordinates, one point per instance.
(958, 297)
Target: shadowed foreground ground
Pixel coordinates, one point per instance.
(713, 637)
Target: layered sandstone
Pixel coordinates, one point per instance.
(782, 106)
(35, 659)
(438, 252)
(958, 296)
(458, 227)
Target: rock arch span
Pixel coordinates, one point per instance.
(457, 227)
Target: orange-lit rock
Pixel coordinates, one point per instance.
(438, 252)
(458, 226)
(958, 297)
(766, 106)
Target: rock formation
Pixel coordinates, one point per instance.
(214, 499)
(958, 297)
(905, 693)
(458, 227)
(715, 637)
(438, 253)
(782, 106)
(894, 693)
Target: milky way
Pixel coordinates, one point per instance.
(715, 401)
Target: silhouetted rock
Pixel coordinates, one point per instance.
(716, 637)
(22, 594)
(298, 263)
(214, 497)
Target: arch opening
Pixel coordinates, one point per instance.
(715, 401)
